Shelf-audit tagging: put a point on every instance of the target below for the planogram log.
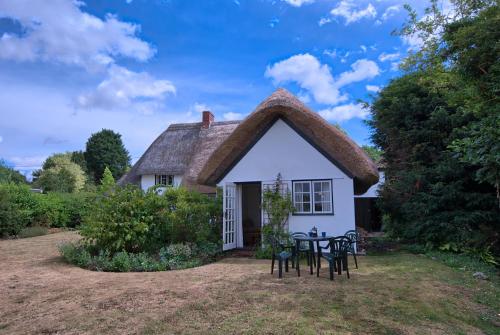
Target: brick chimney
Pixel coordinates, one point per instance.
(207, 119)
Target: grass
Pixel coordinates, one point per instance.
(32, 232)
(397, 293)
(391, 293)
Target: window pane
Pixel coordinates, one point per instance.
(318, 207)
(306, 187)
(307, 207)
(298, 187)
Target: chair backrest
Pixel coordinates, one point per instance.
(303, 244)
(340, 245)
(353, 235)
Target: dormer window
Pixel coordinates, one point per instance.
(164, 179)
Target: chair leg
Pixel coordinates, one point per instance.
(286, 265)
(347, 267)
(293, 258)
(308, 257)
(272, 264)
(355, 260)
(314, 260)
(339, 266)
(331, 266)
(280, 270)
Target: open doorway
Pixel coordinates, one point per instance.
(251, 213)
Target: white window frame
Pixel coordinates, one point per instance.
(312, 197)
(294, 187)
(169, 179)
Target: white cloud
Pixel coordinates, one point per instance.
(373, 88)
(390, 11)
(361, 70)
(230, 116)
(59, 31)
(395, 66)
(198, 108)
(351, 12)
(331, 53)
(324, 20)
(344, 112)
(27, 162)
(310, 74)
(123, 87)
(298, 3)
(363, 47)
(1, 139)
(388, 57)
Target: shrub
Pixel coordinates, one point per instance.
(128, 219)
(32, 232)
(20, 208)
(11, 221)
(177, 256)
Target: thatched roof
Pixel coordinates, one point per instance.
(332, 142)
(182, 149)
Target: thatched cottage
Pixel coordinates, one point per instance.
(320, 166)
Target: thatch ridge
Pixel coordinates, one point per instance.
(282, 104)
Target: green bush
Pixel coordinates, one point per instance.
(11, 221)
(22, 208)
(128, 219)
(172, 257)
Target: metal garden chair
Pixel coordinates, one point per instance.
(355, 237)
(337, 257)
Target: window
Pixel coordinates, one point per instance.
(164, 179)
(313, 196)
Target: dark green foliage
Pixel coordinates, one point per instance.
(11, 220)
(128, 219)
(430, 195)
(439, 127)
(22, 208)
(105, 148)
(9, 175)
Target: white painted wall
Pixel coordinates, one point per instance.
(373, 191)
(282, 150)
(148, 180)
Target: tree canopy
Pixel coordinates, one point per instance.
(60, 174)
(439, 128)
(105, 148)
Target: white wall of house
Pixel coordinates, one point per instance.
(373, 190)
(148, 180)
(283, 150)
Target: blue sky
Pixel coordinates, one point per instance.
(68, 69)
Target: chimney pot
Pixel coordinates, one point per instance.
(207, 119)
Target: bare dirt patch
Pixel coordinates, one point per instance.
(404, 294)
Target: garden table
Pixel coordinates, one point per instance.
(310, 240)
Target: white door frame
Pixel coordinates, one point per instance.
(230, 217)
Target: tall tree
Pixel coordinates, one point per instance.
(439, 128)
(105, 148)
(430, 195)
(60, 174)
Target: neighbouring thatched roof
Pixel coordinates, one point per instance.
(182, 149)
(332, 142)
